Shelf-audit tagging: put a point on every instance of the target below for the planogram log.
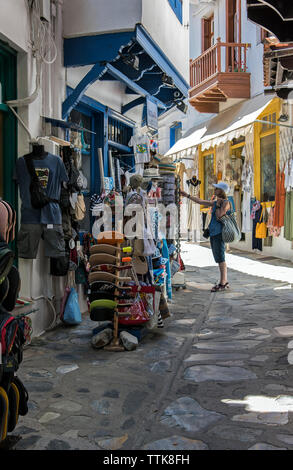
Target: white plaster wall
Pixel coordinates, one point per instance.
(86, 17)
(167, 120)
(14, 23)
(171, 36)
(109, 93)
(36, 281)
(281, 248)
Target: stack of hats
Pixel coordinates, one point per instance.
(168, 189)
(151, 173)
(105, 289)
(167, 165)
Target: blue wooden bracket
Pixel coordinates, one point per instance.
(133, 104)
(134, 86)
(72, 100)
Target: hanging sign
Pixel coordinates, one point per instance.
(152, 114)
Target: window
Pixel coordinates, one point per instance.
(119, 132)
(84, 121)
(234, 166)
(175, 133)
(176, 6)
(266, 153)
(207, 33)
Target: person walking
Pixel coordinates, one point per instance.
(220, 207)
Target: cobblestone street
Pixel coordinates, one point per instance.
(218, 376)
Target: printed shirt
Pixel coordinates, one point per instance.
(140, 146)
(51, 173)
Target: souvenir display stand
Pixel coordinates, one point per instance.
(178, 276)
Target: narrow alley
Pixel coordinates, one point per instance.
(218, 376)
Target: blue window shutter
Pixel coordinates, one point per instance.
(174, 134)
(176, 6)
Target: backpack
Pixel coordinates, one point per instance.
(7, 221)
(39, 198)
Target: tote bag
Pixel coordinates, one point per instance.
(230, 232)
(261, 228)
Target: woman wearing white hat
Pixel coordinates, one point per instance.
(220, 206)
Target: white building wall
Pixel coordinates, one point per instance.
(166, 30)
(250, 34)
(14, 23)
(36, 283)
(87, 17)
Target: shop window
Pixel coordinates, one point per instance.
(271, 120)
(175, 133)
(266, 152)
(268, 167)
(209, 176)
(176, 6)
(119, 132)
(234, 167)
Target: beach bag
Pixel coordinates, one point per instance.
(261, 229)
(230, 232)
(137, 313)
(72, 314)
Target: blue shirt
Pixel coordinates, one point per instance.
(215, 226)
(51, 173)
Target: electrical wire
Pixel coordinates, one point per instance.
(44, 50)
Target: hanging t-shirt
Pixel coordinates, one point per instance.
(140, 146)
(51, 173)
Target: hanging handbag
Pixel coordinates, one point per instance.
(230, 232)
(80, 208)
(261, 229)
(140, 264)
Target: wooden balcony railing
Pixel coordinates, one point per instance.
(220, 58)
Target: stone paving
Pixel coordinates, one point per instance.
(218, 376)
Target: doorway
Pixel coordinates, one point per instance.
(8, 125)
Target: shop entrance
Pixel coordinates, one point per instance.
(8, 127)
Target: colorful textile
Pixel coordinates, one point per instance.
(280, 198)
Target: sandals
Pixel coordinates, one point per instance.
(220, 287)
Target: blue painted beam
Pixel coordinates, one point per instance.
(87, 50)
(154, 51)
(123, 78)
(132, 104)
(128, 91)
(72, 100)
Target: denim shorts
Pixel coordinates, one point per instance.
(218, 248)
